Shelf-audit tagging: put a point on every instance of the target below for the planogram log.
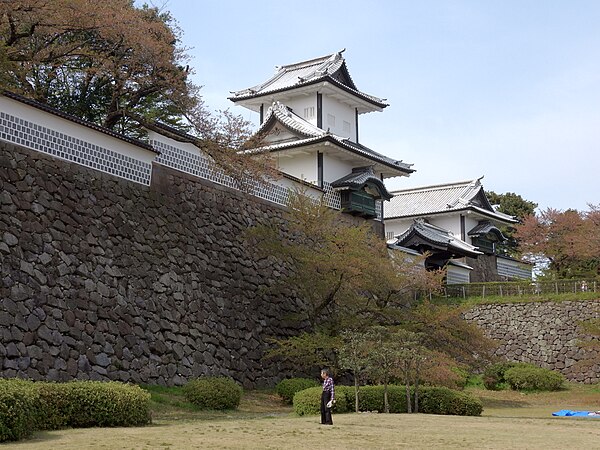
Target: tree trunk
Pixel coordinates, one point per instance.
(356, 393)
(386, 404)
(417, 387)
(407, 383)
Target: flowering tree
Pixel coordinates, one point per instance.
(569, 239)
(119, 66)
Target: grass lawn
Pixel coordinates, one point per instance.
(510, 420)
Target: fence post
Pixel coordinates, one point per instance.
(556, 286)
(594, 286)
(483, 291)
(464, 294)
(500, 286)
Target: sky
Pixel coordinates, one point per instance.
(508, 90)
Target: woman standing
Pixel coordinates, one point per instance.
(327, 398)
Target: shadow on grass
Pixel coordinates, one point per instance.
(503, 403)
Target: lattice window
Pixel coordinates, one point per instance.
(379, 210)
(331, 197)
(46, 140)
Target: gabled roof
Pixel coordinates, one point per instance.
(425, 234)
(331, 68)
(443, 198)
(361, 177)
(309, 134)
(278, 112)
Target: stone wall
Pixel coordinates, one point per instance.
(484, 269)
(542, 333)
(101, 278)
(107, 279)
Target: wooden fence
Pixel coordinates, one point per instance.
(519, 288)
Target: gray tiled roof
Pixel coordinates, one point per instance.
(331, 68)
(486, 227)
(278, 111)
(313, 134)
(443, 198)
(437, 236)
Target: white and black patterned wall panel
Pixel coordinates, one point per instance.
(53, 142)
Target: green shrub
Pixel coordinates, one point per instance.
(441, 400)
(26, 406)
(18, 409)
(493, 376)
(55, 405)
(105, 404)
(461, 377)
(308, 401)
(432, 400)
(287, 388)
(213, 393)
(534, 379)
(370, 398)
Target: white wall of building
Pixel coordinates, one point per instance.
(339, 118)
(447, 222)
(335, 168)
(154, 136)
(73, 129)
(397, 226)
(457, 275)
(304, 106)
(303, 166)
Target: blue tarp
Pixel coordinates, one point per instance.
(569, 413)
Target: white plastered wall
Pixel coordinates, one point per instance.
(341, 113)
(397, 226)
(335, 168)
(154, 136)
(74, 130)
(300, 103)
(303, 166)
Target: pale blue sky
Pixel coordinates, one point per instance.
(507, 89)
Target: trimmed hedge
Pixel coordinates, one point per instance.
(288, 387)
(105, 404)
(441, 400)
(26, 406)
(18, 409)
(213, 393)
(432, 400)
(308, 401)
(534, 379)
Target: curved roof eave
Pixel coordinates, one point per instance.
(326, 78)
(485, 212)
(331, 139)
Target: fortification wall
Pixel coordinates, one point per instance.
(103, 278)
(543, 333)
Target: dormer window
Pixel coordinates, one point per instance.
(485, 236)
(359, 203)
(359, 190)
